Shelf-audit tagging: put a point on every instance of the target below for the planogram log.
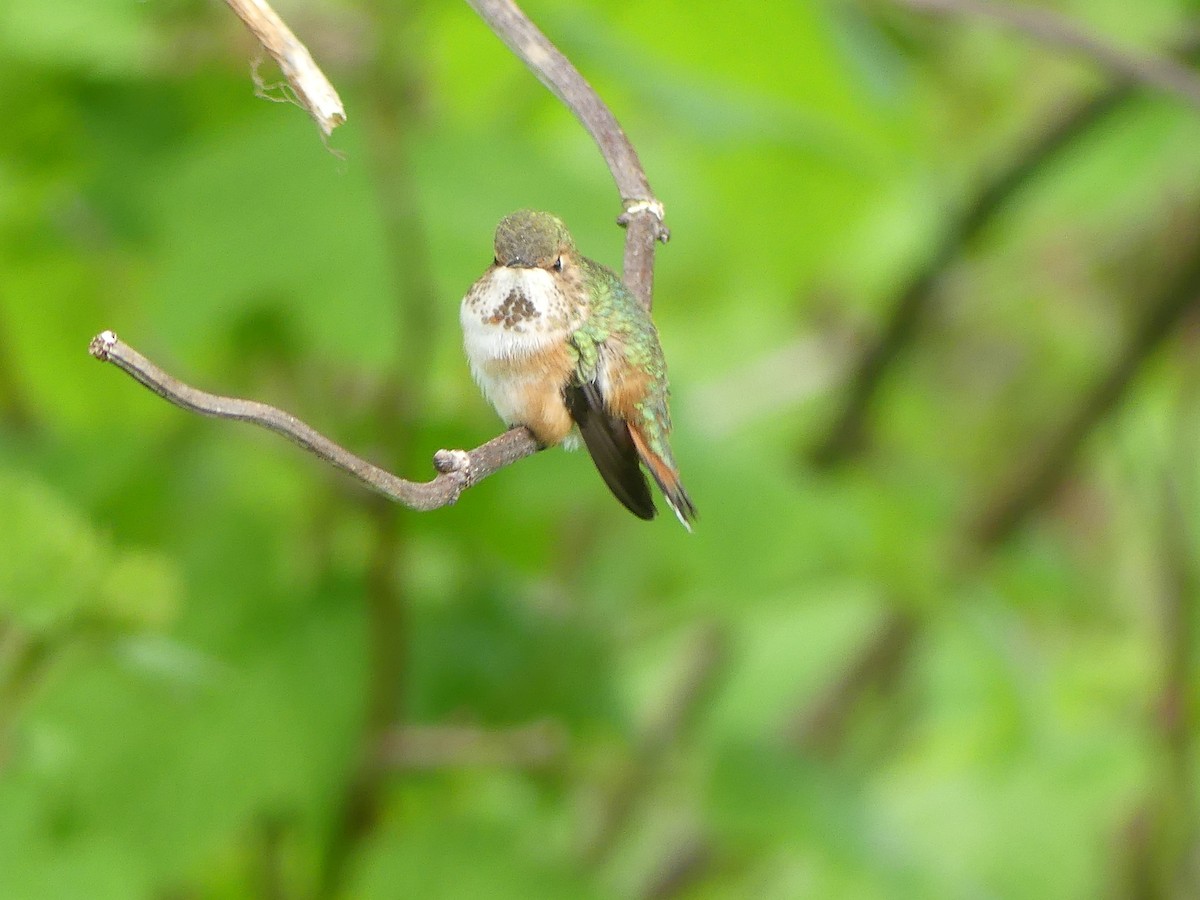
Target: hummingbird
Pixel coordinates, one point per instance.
(558, 344)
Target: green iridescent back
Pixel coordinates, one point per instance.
(620, 322)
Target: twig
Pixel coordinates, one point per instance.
(1056, 30)
(313, 90)
(824, 724)
(643, 212)
(458, 469)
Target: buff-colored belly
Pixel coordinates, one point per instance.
(527, 390)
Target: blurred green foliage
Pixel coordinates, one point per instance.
(207, 638)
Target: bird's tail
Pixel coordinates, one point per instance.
(667, 476)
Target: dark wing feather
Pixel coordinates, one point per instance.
(607, 439)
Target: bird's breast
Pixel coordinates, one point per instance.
(516, 333)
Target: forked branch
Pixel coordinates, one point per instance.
(457, 469)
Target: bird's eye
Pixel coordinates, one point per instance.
(558, 264)
(495, 260)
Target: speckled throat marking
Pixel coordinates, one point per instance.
(516, 309)
(517, 303)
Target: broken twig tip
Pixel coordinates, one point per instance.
(308, 86)
(102, 345)
(447, 461)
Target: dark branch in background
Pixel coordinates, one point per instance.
(1175, 714)
(312, 89)
(1155, 847)
(702, 662)
(643, 214)
(1056, 30)
(824, 725)
(392, 85)
(1046, 468)
(823, 728)
(917, 295)
(458, 469)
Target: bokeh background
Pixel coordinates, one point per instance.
(937, 395)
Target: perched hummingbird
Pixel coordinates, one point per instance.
(560, 345)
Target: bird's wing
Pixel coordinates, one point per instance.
(611, 446)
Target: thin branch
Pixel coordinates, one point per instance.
(313, 90)
(643, 212)
(1056, 30)
(458, 469)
